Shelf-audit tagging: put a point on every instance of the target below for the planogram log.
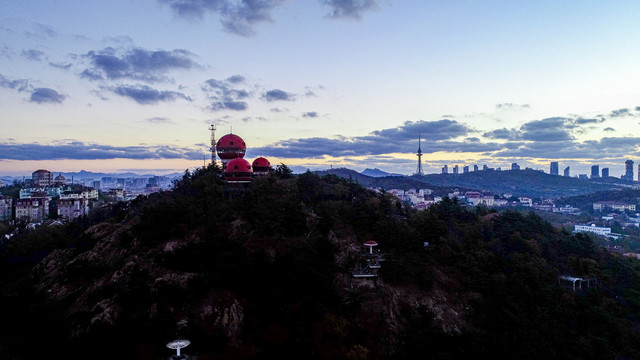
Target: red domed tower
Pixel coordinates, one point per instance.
(230, 147)
(238, 170)
(261, 166)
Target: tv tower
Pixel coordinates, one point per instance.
(212, 128)
(419, 171)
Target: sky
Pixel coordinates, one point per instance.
(124, 85)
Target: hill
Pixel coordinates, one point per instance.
(268, 273)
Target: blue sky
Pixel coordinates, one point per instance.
(134, 84)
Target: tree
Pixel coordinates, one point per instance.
(283, 171)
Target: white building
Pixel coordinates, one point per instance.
(598, 230)
(613, 205)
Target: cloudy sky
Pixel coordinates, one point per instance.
(134, 84)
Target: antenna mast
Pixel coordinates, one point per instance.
(419, 171)
(212, 128)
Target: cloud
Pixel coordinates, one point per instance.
(33, 55)
(228, 105)
(549, 129)
(621, 113)
(504, 133)
(46, 95)
(582, 121)
(136, 64)
(609, 129)
(237, 17)
(159, 120)
(279, 110)
(60, 65)
(146, 95)
(310, 114)
(17, 84)
(278, 95)
(224, 96)
(512, 106)
(75, 150)
(429, 130)
(349, 8)
(236, 79)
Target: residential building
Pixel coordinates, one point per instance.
(598, 230)
(6, 207)
(42, 178)
(455, 169)
(613, 205)
(69, 209)
(465, 169)
(475, 168)
(605, 172)
(34, 209)
(567, 171)
(595, 171)
(445, 169)
(553, 168)
(515, 166)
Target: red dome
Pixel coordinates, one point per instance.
(261, 162)
(230, 147)
(238, 169)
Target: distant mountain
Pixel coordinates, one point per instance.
(531, 183)
(387, 182)
(378, 173)
(97, 175)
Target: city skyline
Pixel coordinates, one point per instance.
(318, 84)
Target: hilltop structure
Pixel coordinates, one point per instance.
(236, 169)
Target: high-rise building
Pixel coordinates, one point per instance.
(475, 167)
(567, 171)
(445, 169)
(595, 171)
(455, 169)
(515, 166)
(553, 168)
(465, 169)
(42, 178)
(605, 172)
(628, 175)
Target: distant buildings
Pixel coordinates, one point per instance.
(515, 166)
(595, 171)
(605, 172)
(445, 169)
(465, 169)
(455, 169)
(613, 205)
(553, 168)
(628, 175)
(567, 171)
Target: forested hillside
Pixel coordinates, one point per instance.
(266, 274)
